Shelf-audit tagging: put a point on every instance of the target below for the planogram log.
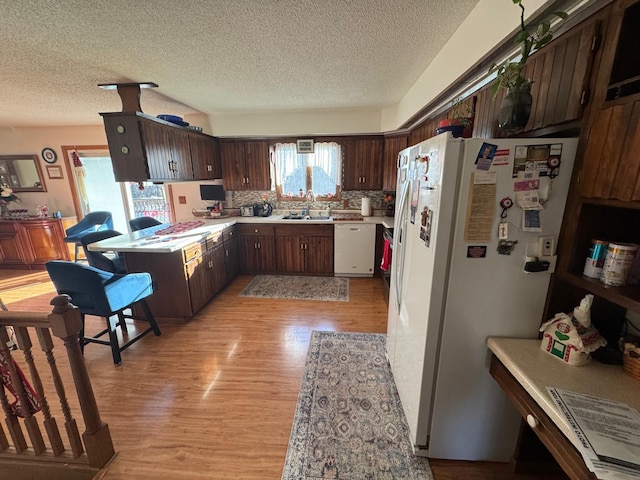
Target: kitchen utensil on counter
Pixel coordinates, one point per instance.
(366, 207)
(247, 210)
(262, 209)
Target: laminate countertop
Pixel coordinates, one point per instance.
(535, 370)
(148, 241)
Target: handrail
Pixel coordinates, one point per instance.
(94, 448)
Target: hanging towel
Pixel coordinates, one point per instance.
(386, 255)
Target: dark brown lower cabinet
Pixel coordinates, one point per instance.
(185, 279)
(256, 248)
(304, 249)
(29, 244)
(231, 260)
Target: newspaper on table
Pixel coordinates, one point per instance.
(608, 432)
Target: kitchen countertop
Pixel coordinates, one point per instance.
(535, 370)
(146, 240)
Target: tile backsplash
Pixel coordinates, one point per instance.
(244, 197)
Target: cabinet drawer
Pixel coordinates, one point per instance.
(560, 447)
(255, 229)
(213, 239)
(194, 250)
(228, 233)
(307, 230)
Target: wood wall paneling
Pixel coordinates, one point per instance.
(627, 179)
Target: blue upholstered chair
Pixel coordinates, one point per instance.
(92, 222)
(143, 222)
(107, 295)
(99, 260)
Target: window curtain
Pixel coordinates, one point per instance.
(291, 171)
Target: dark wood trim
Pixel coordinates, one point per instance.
(549, 434)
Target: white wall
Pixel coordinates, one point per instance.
(29, 141)
(191, 192)
(297, 123)
(487, 25)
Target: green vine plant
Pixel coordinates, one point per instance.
(461, 112)
(510, 74)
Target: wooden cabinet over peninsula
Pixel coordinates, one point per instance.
(31, 242)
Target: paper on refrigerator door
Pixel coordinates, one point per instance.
(481, 209)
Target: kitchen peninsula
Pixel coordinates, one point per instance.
(190, 264)
(524, 372)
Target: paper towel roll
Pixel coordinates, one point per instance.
(228, 199)
(366, 207)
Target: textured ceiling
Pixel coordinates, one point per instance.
(223, 56)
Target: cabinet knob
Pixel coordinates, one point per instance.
(125, 149)
(120, 128)
(255, 230)
(532, 421)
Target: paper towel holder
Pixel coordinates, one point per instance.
(366, 207)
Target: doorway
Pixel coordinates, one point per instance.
(94, 188)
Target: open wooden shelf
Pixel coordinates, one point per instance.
(627, 297)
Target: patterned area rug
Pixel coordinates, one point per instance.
(349, 423)
(296, 287)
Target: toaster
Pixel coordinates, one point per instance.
(247, 211)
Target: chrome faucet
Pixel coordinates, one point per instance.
(311, 197)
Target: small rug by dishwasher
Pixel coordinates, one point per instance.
(349, 423)
(297, 287)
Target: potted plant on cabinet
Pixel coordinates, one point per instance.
(516, 107)
(460, 121)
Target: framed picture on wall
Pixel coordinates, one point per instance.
(305, 146)
(54, 171)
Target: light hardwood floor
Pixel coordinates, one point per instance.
(215, 398)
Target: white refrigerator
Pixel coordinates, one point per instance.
(457, 203)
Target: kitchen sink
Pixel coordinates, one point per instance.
(294, 216)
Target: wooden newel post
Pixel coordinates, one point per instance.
(66, 323)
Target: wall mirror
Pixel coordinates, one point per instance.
(22, 173)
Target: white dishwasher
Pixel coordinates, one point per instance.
(354, 250)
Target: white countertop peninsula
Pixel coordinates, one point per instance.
(147, 241)
(534, 370)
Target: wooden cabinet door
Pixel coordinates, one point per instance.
(362, 164)
(350, 173)
(158, 150)
(231, 263)
(46, 241)
(180, 166)
(233, 165)
(611, 166)
(392, 147)
(369, 154)
(257, 169)
(217, 272)
(199, 282)
(205, 157)
(248, 253)
(318, 255)
(290, 254)
(14, 247)
(266, 256)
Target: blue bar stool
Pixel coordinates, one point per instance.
(105, 294)
(143, 222)
(114, 264)
(92, 222)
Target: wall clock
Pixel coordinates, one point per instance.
(49, 155)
